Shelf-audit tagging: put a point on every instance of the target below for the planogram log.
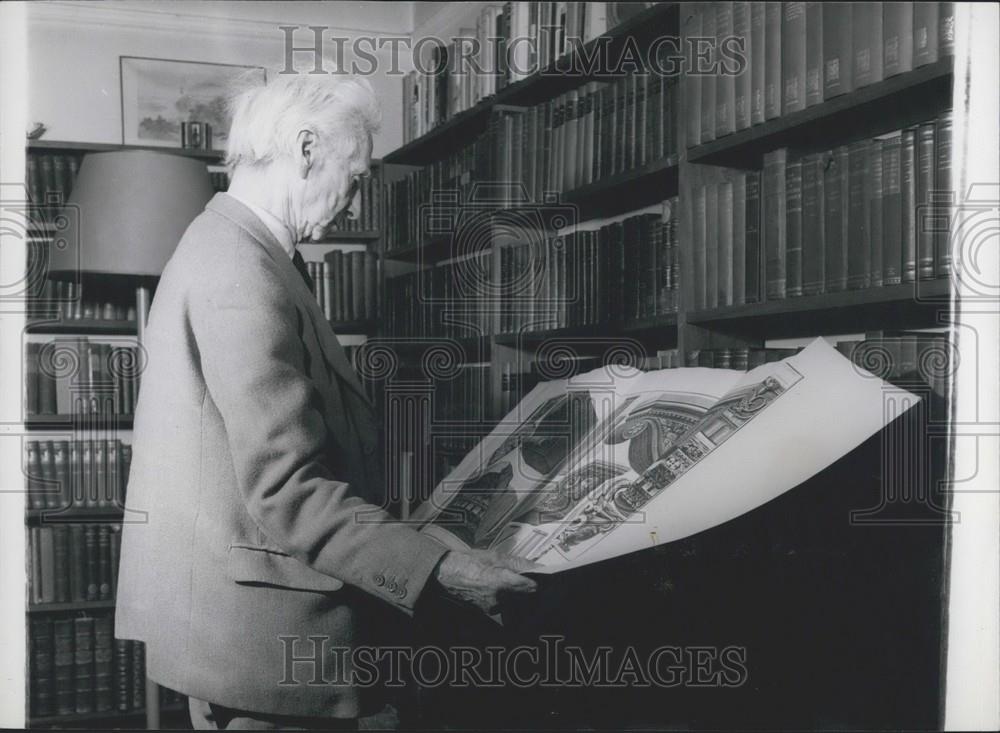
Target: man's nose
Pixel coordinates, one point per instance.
(354, 210)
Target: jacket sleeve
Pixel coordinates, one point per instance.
(253, 359)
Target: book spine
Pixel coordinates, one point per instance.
(726, 248)
(93, 562)
(725, 85)
(64, 666)
(739, 225)
(712, 246)
(709, 81)
(77, 564)
(772, 60)
(858, 244)
(835, 210)
(753, 243)
(774, 223)
(838, 54)
(945, 196)
(122, 675)
(813, 249)
(758, 42)
(892, 212)
(946, 29)
(742, 85)
(867, 41)
(873, 195)
(103, 663)
(692, 83)
(83, 654)
(793, 56)
(61, 550)
(793, 229)
(926, 161)
(925, 33)
(699, 247)
(897, 38)
(814, 53)
(43, 697)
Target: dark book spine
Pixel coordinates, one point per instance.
(742, 85)
(814, 53)
(93, 562)
(867, 43)
(925, 33)
(758, 42)
(772, 60)
(874, 184)
(64, 666)
(43, 693)
(892, 212)
(725, 85)
(725, 255)
(897, 38)
(739, 257)
(698, 223)
(77, 563)
(47, 457)
(123, 675)
(774, 223)
(858, 244)
(946, 29)
(793, 229)
(138, 668)
(103, 663)
(692, 84)
(709, 82)
(813, 250)
(60, 540)
(835, 211)
(793, 56)
(838, 54)
(944, 195)
(83, 653)
(104, 562)
(712, 245)
(926, 161)
(753, 243)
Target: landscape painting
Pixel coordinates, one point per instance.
(159, 94)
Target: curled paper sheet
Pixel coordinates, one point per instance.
(617, 460)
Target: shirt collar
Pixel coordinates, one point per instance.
(274, 225)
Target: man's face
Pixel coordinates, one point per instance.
(333, 190)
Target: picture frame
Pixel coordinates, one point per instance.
(157, 95)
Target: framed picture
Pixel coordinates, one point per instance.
(160, 94)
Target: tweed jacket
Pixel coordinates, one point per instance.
(252, 517)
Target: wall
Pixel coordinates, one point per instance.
(73, 51)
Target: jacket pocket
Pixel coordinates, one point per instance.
(251, 565)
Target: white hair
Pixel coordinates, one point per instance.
(267, 117)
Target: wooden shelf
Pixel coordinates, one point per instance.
(71, 606)
(540, 86)
(896, 102)
(661, 325)
(74, 514)
(627, 191)
(911, 305)
(54, 146)
(87, 326)
(66, 422)
(108, 716)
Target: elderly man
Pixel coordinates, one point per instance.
(254, 534)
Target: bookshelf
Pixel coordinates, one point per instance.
(718, 331)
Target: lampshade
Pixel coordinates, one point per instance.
(128, 211)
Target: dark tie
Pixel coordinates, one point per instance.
(300, 265)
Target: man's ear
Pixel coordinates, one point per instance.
(305, 147)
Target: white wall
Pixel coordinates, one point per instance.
(73, 50)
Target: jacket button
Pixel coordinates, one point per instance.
(379, 580)
(391, 587)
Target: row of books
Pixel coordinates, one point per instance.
(346, 285)
(799, 54)
(50, 179)
(77, 474)
(912, 358)
(73, 562)
(77, 666)
(509, 42)
(463, 396)
(76, 376)
(65, 300)
(870, 214)
(621, 271)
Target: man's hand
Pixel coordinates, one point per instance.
(482, 577)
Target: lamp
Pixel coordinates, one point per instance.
(128, 210)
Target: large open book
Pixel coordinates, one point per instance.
(617, 460)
